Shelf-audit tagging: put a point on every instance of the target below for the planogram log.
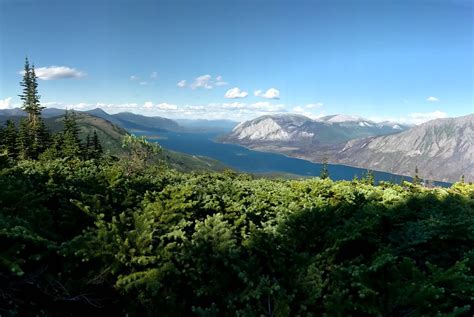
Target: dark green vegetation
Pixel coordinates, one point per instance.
(101, 237)
(84, 232)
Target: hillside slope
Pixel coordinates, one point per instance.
(111, 136)
(442, 149)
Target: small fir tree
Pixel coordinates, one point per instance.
(71, 144)
(416, 178)
(10, 135)
(324, 169)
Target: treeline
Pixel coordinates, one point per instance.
(31, 140)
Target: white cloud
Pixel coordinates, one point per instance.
(432, 99)
(203, 81)
(314, 105)
(304, 111)
(154, 75)
(134, 77)
(166, 106)
(235, 93)
(231, 110)
(181, 83)
(56, 72)
(271, 93)
(144, 83)
(420, 117)
(5, 103)
(161, 106)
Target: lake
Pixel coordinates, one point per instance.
(250, 161)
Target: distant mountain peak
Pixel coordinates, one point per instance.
(298, 130)
(338, 118)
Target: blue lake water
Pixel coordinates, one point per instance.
(250, 161)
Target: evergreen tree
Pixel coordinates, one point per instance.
(36, 107)
(88, 147)
(71, 144)
(9, 137)
(26, 92)
(24, 144)
(369, 178)
(324, 169)
(462, 179)
(38, 135)
(96, 146)
(416, 178)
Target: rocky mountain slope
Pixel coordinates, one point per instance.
(296, 132)
(442, 149)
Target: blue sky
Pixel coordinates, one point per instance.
(402, 60)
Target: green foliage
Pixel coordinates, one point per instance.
(92, 237)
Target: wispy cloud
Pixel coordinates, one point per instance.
(220, 81)
(154, 75)
(134, 77)
(271, 93)
(432, 99)
(5, 103)
(413, 118)
(314, 105)
(203, 81)
(235, 93)
(181, 83)
(421, 117)
(56, 72)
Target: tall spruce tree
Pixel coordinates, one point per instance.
(37, 134)
(24, 141)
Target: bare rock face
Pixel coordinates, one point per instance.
(442, 149)
(296, 130)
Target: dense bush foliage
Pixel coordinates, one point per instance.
(96, 237)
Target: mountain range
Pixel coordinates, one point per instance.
(442, 149)
(300, 131)
(136, 122)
